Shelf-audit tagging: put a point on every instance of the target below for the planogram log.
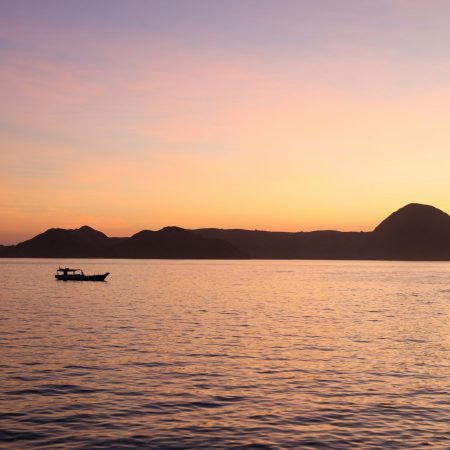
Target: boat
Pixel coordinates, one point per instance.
(66, 274)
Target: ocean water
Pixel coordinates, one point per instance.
(225, 354)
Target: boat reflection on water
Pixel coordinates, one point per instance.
(66, 274)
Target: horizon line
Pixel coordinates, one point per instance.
(227, 229)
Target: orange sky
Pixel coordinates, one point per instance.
(269, 115)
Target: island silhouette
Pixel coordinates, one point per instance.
(414, 232)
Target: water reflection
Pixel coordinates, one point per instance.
(219, 354)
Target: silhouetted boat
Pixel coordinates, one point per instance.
(78, 275)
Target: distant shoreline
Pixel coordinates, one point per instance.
(413, 233)
(56, 258)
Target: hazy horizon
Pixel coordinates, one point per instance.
(231, 228)
(173, 225)
(288, 116)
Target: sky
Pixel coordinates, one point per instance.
(259, 114)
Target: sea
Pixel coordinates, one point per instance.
(225, 355)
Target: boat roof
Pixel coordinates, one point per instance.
(67, 270)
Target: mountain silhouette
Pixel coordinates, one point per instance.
(174, 242)
(414, 232)
(415, 220)
(301, 245)
(85, 242)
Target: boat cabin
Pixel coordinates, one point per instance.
(66, 271)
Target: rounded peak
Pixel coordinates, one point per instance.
(53, 230)
(419, 207)
(173, 229)
(142, 233)
(415, 217)
(86, 228)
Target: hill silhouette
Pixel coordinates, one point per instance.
(414, 232)
(85, 242)
(174, 243)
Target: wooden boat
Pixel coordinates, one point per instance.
(67, 274)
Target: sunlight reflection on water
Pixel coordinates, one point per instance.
(223, 354)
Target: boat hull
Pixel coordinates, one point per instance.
(100, 277)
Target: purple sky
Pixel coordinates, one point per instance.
(260, 114)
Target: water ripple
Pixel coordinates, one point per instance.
(236, 355)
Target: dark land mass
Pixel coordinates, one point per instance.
(85, 242)
(414, 232)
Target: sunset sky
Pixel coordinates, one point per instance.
(277, 115)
